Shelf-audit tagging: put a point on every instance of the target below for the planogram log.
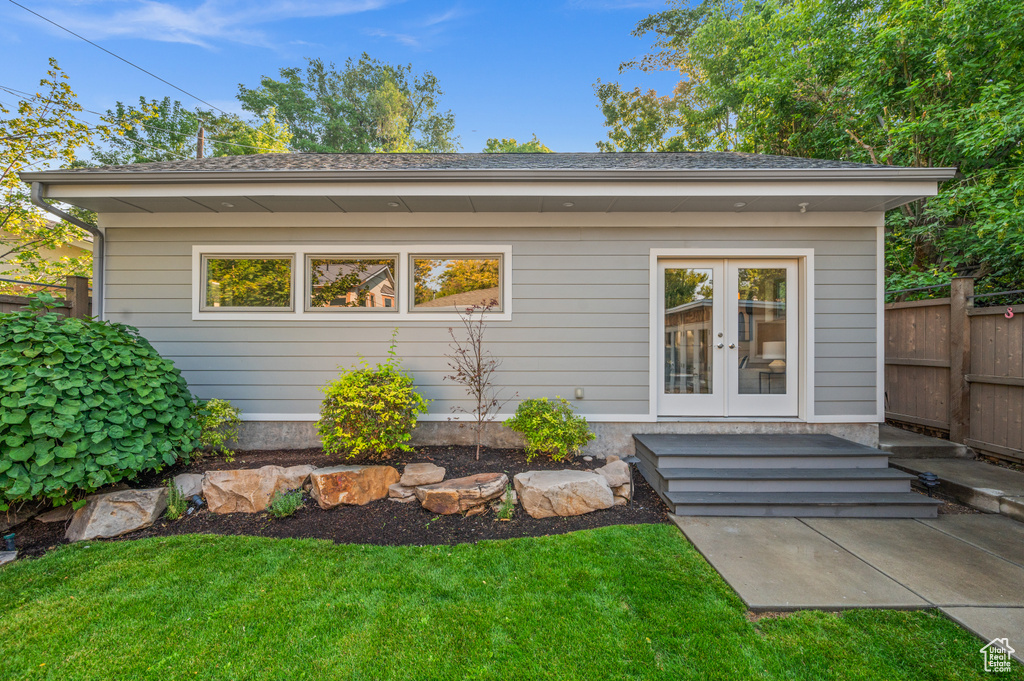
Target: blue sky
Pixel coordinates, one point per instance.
(508, 69)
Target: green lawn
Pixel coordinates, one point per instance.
(618, 603)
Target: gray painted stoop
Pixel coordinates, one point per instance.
(777, 475)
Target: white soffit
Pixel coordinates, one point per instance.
(568, 197)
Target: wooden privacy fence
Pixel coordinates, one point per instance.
(957, 368)
(76, 301)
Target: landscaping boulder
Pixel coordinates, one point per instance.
(189, 484)
(114, 514)
(615, 473)
(352, 485)
(459, 495)
(399, 492)
(416, 474)
(250, 490)
(562, 493)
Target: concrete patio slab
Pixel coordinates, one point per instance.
(991, 623)
(781, 564)
(934, 565)
(993, 533)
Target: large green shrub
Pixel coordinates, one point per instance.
(83, 404)
(550, 427)
(370, 410)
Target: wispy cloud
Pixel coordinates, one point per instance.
(202, 24)
(420, 32)
(404, 38)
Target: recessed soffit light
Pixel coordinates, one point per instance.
(393, 204)
(568, 204)
(227, 205)
(739, 204)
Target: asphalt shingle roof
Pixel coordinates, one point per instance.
(697, 160)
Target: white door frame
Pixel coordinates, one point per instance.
(805, 320)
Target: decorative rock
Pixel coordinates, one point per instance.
(57, 515)
(401, 492)
(7, 556)
(622, 491)
(351, 485)
(416, 474)
(476, 510)
(461, 494)
(620, 501)
(562, 493)
(250, 490)
(611, 458)
(189, 484)
(588, 459)
(616, 473)
(114, 514)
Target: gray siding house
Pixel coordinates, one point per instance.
(667, 293)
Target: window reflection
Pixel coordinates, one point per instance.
(363, 283)
(688, 330)
(762, 331)
(447, 283)
(239, 282)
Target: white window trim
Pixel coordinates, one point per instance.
(805, 274)
(403, 253)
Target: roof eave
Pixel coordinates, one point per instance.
(259, 176)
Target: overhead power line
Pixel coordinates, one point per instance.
(116, 56)
(22, 93)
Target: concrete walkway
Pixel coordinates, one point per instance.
(971, 567)
(981, 485)
(908, 445)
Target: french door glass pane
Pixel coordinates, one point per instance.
(688, 335)
(761, 337)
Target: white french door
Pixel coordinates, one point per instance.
(730, 337)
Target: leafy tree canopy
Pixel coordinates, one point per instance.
(43, 132)
(902, 82)
(164, 130)
(511, 146)
(367, 106)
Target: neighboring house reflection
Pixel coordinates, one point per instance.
(353, 284)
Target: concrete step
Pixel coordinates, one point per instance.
(805, 504)
(909, 445)
(977, 484)
(756, 451)
(785, 480)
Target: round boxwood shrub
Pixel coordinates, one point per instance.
(550, 427)
(370, 410)
(83, 404)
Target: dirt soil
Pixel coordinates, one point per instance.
(384, 522)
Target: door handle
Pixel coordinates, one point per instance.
(732, 346)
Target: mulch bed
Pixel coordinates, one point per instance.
(385, 523)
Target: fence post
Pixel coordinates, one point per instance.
(960, 358)
(78, 296)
